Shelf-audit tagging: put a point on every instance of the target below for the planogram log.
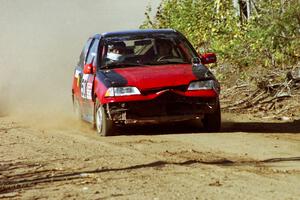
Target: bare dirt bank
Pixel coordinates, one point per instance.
(246, 160)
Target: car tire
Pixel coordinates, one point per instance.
(103, 125)
(212, 121)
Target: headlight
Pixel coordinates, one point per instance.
(203, 85)
(122, 91)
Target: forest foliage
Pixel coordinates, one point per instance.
(270, 37)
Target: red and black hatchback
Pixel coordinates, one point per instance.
(144, 76)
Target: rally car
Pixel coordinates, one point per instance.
(144, 76)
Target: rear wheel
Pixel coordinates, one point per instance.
(76, 108)
(103, 125)
(212, 121)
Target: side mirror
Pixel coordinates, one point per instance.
(208, 58)
(88, 68)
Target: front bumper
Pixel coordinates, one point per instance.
(169, 106)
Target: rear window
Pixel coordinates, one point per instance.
(83, 53)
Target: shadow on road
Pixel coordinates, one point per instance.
(159, 129)
(227, 127)
(20, 181)
(262, 127)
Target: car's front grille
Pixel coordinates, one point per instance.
(155, 90)
(169, 103)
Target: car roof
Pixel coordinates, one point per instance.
(134, 32)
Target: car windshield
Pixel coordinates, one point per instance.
(126, 51)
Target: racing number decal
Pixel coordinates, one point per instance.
(89, 87)
(86, 86)
(83, 85)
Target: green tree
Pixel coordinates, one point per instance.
(270, 37)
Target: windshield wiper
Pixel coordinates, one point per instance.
(122, 64)
(176, 62)
(166, 62)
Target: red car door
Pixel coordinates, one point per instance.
(78, 73)
(87, 82)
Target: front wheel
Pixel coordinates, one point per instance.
(212, 121)
(103, 125)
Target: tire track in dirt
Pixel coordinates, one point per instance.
(21, 181)
(66, 161)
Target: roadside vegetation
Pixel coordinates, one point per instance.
(258, 46)
(269, 37)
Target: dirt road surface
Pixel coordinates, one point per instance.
(49, 155)
(248, 159)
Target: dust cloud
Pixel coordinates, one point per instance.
(40, 42)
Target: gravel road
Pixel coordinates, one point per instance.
(248, 159)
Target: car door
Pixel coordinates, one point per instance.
(87, 82)
(78, 72)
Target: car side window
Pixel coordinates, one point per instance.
(92, 52)
(83, 53)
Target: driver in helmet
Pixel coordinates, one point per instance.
(164, 49)
(116, 51)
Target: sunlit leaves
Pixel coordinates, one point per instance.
(270, 37)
